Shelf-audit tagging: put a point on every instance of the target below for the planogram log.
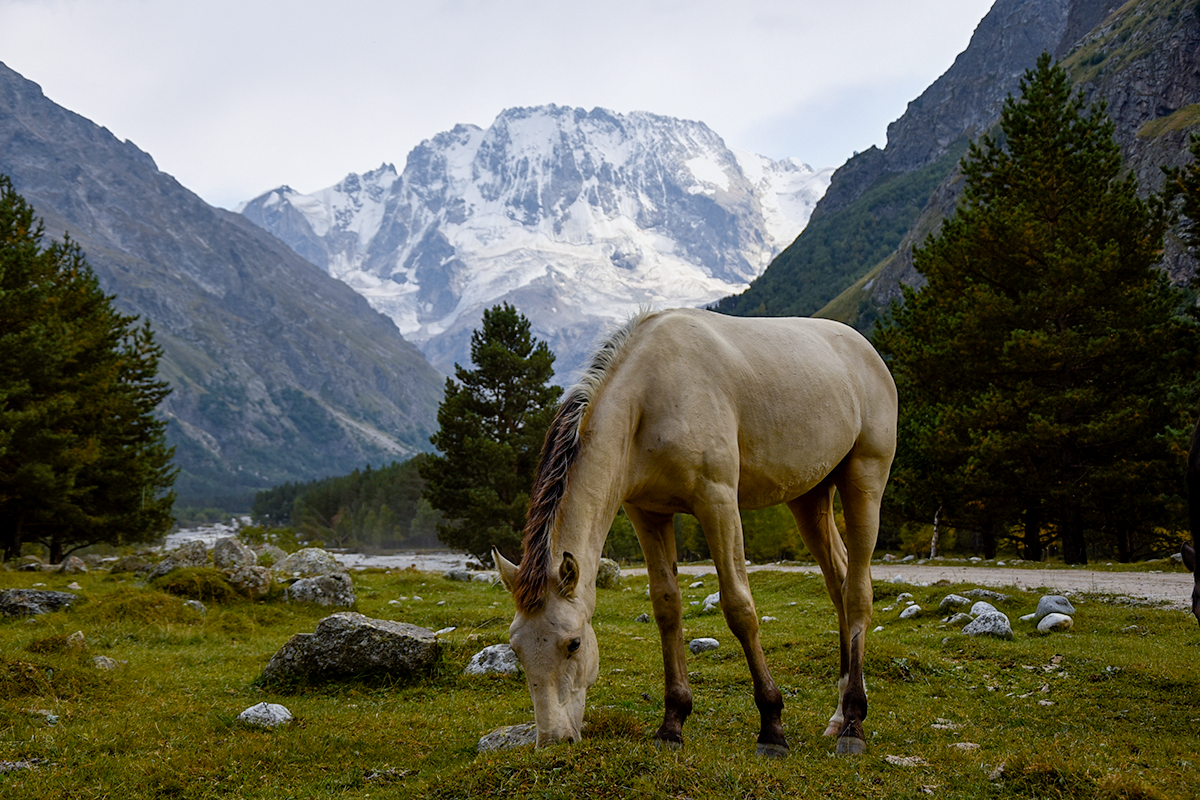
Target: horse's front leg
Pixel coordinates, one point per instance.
(656, 533)
(723, 530)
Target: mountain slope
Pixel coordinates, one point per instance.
(279, 372)
(575, 217)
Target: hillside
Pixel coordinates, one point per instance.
(280, 373)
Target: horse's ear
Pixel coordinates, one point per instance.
(568, 576)
(507, 570)
(1189, 557)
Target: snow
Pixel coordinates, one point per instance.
(707, 170)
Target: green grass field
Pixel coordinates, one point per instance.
(1108, 711)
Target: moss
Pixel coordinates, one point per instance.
(1180, 120)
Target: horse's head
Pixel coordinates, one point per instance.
(557, 649)
(1189, 561)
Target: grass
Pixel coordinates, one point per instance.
(1107, 711)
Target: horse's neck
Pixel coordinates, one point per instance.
(595, 492)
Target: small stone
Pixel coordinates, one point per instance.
(958, 620)
(1055, 623)
(982, 607)
(508, 737)
(105, 663)
(986, 594)
(73, 565)
(766, 620)
(965, 746)
(608, 576)
(74, 586)
(696, 585)
(444, 631)
(905, 761)
(76, 641)
(498, 659)
(1054, 604)
(900, 598)
(642, 618)
(196, 605)
(703, 645)
(267, 715)
(991, 623)
(951, 602)
(910, 612)
(324, 590)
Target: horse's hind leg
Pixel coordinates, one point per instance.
(723, 530)
(814, 518)
(656, 534)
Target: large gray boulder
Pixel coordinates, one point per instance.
(73, 565)
(990, 623)
(311, 562)
(350, 644)
(229, 554)
(496, 658)
(609, 574)
(27, 602)
(1053, 604)
(335, 590)
(190, 554)
(254, 582)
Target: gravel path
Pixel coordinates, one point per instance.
(1172, 588)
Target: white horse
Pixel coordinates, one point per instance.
(688, 411)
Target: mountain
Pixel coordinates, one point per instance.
(1141, 58)
(575, 217)
(279, 372)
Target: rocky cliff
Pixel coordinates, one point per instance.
(279, 371)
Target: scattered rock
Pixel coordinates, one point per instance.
(73, 565)
(311, 562)
(905, 761)
(105, 663)
(958, 620)
(74, 586)
(26, 602)
(952, 602)
(509, 736)
(458, 575)
(487, 576)
(712, 602)
(77, 641)
(900, 598)
(29, 564)
(910, 612)
(267, 555)
(767, 620)
(703, 645)
(49, 717)
(987, 594)
(266, 715)
(348, 643)
(642, 618)
(324, 590)
(229, 554)
(1053, 604)
(982, 607)
(1053, 622)
(965, 746)
(196, 606)
(696, 585)
(497, 658)
(191, 554)
(251, 580)
(991, 623)
(609, 575)
(132, 563)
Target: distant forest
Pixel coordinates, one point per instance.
(369, 509)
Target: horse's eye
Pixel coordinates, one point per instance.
(572, 647)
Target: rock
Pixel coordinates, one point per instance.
(347, 643)
(990, 623)
(74, 586)
(696, 584)
(609, 575)
(196, 606)
(105, 663)
(952, 602)
(982, 607)
(703, 645)
(498, 658)
(458, 575)
(311, 562)
(267, 555)
(73, 565)
(26, 602)
(485, 577)
(252, 581)
(1053, 622)
(267, 715)
(1053, 604)
(133, 563)
(910, 612)
(900, 598)
(509, 736)
(987, 594)
(324, 590)
(768, 620)
(712, 602)
(642, 618)
(191, 554)
(958, 620)
(29, 564)
(229, 554)
(77, 641)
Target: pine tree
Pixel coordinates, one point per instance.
(83, 458)
(492, 422)
(1044, 366)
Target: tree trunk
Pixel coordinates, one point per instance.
(1071, 531)
(933, 546)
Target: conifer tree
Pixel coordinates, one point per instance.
(83, 457)
(1044, 367)
(492, 422)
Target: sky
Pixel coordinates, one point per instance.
(237, 97)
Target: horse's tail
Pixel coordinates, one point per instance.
(1193, 486)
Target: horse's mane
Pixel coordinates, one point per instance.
(560, 451)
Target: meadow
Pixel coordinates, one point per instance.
(1107, 711)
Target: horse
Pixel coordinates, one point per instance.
(693, 412)
(1193, 495)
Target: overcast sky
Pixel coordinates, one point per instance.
(235, 97)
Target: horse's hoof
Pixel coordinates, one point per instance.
(851, 746)
(772, 750)
(666, 744)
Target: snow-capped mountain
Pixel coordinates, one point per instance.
(575, 217)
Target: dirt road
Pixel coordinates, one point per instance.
(1173, 588)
